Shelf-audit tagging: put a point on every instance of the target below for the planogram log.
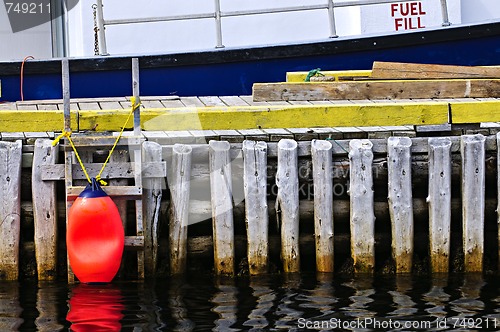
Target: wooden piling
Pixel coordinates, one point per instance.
(179, 184)
(362, 212)
(256, 217)
(400, 201)
(151, 199)
(10, 208)
(287, 204)
(222, 206)
(44, 210)
(321, 154)
(473, 200)
(439, 200)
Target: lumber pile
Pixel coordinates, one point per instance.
(390, 80)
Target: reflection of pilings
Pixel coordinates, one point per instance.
(177, 306)
(265, 297)
(225, 305)
(404, 305)
(436, 297)
(10, 308)
(286, 309)
(363, 290)
(46, 304)
(469, 303)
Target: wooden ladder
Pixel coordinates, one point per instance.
(118, 171)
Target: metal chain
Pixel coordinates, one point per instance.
(96, 38)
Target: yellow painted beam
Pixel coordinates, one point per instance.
(475, 111)
(34, 121)
(298, 116)
(300, 76)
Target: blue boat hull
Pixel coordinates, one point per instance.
(233, 71)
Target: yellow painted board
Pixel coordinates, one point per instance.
(265, 117)
(475, 111)
(300, 76)
(35, 121)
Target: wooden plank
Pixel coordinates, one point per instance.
(44, 210)
(400, 201)
(498, 191)
(114, 170)
(117, 192)
(362, 206)
(279, 116)
(439, 200)
(256, 217)
(337, 74)
(458, 88)
(473, 200)
(151, 199)
(233, 101)
(321, 152)
(287, 204)
(222, 207)
(10, 209)
(211, 101)
(397, 70)
(179, 184)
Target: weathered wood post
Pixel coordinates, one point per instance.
(179, 184)
(473, 185)
(400, 201)
(439, 200)
(362, 205)
(221, 189)
(10, 208)
(152, 193)
(287, 204)
(256, 217)
(321, 154)
(45, 210)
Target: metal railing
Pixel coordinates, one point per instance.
(218, 14)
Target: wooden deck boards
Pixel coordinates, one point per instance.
(233, 112)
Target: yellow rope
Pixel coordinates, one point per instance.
(67, 134)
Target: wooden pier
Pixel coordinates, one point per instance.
(233, 184)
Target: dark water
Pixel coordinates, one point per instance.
(297, 303)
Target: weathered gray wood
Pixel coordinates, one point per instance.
(362, 206)
(179, 184)
(10, 208)
(400, 201)
(287, 204)
(118, 157)
(222, 206)
(439, 200)
(321, 152)
(115, 170)
(66, 94)
(473, 194)
(135, 92)
(116, 192)
(256, 217)
(151, 199)
(44, 210)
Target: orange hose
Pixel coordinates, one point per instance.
(22, 75)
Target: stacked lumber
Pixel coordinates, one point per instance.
(391, 80)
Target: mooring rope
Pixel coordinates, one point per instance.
(67, 134)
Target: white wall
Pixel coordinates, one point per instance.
(480, 10)
(200, 34)
(36, 41)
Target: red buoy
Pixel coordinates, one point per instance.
(95, 236)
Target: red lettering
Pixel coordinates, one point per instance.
(420, 10)
(404, 8)
(420, 25)
(398, 23)
(394, 9)
(413, 7)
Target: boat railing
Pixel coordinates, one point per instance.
(218, 14)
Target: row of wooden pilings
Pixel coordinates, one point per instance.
(255, 155)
